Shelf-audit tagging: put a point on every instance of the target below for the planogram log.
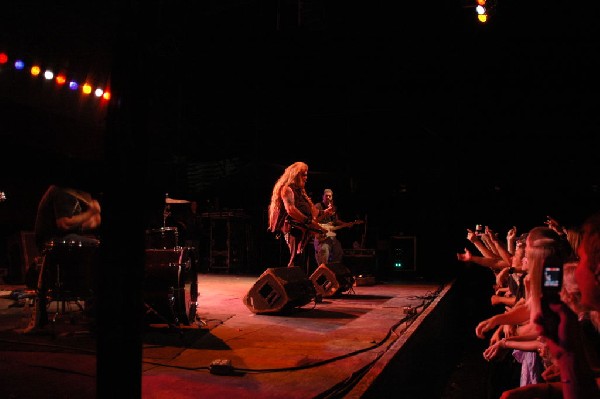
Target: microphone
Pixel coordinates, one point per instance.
(332, 207)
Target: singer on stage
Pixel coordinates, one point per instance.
(292, 213)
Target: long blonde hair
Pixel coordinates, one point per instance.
(289, 177)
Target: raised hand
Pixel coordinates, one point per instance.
(511, 234)
(554, 225)
(471, 235)
(466, 257)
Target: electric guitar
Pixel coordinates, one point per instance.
(330, 228)
(307, 233)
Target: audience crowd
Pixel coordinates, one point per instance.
(541, 342)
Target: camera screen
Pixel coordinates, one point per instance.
(552, 276)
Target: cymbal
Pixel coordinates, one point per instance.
(176, 201)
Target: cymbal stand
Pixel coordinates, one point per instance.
(166, 214)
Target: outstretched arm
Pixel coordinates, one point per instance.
(517, 315)
(501, 248)
(479, 244)
(492, 263)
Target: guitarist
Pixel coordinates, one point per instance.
(292, 213)
(328, 248)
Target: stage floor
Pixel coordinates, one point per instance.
(318, 350)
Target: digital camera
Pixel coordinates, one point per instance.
(552, 276)
(479, 229)
(551, 284)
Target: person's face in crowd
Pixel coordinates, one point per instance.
(570, 293)
(327, 198)
(519, 259)
(587, 280)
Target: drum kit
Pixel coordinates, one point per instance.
(170, 276)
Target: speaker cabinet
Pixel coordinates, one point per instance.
(403, 252)
(333, 279)
(361, 262)
(279, 290)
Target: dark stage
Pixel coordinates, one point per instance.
(340, 347)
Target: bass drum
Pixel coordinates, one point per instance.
(170, 287)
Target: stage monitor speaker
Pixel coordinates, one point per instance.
(279, 290)
(333, 279)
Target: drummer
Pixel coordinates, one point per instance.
(64, 214)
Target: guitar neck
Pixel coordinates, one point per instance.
(302, 226)
(329, 227)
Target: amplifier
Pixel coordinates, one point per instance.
(361, 262)
(359, 252)
(403, 253)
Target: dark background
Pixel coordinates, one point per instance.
(423, 121)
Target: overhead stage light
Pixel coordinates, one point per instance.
(483, 9)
